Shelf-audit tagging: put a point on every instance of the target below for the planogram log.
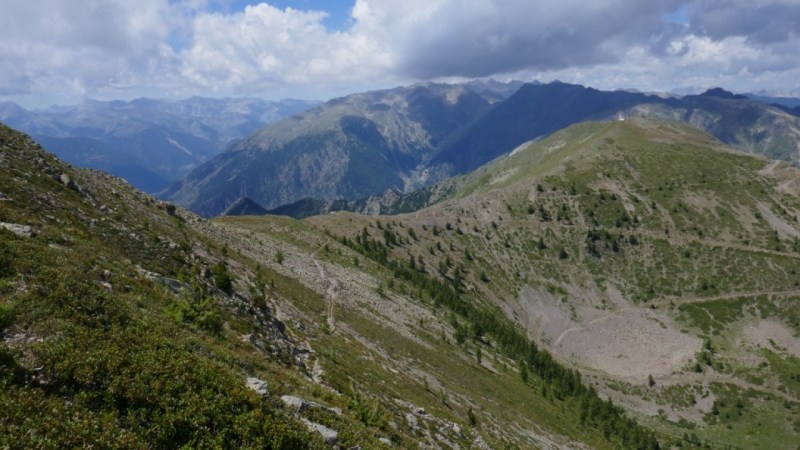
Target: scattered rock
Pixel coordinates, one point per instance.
(386, 441)
(412, 421)
(257, 343)
(107, 285)
(258, 385)
(299, 405)
(70, 184)
(174, 285)
(330, 436)
(296, 403)
(67, 181)
(19, 230)
(480, 443)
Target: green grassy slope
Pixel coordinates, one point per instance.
(648, 255)
(641, 262)
(124, 326)
(129, 323)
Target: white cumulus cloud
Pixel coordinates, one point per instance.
(119, 48)
(264, 46)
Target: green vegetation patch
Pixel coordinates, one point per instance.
(714, 316)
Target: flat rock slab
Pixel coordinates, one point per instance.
(330, 436)
(19, 230)
(258, 385)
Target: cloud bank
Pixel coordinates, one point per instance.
(116, 48)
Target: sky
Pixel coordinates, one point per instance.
(62, 52)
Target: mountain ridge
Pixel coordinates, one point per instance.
(348, 148)
(532, 112)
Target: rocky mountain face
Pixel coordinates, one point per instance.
(146, 141)
(404, 139)
(390, 202)
(747, 125)
(348, 148)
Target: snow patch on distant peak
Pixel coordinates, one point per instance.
(452, 96)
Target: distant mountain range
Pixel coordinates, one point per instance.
(349, 147)
(538, 110)
(148, 142)
(409, 137)
(790, 102)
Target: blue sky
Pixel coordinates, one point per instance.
(338, 10)
(58, 52)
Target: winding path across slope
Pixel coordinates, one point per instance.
(330, 293)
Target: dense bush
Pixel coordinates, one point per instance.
(99, 371)
(222, 278)
(6, 315)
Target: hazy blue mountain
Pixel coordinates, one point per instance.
(744, 124)
(790, 102)
(149, 142)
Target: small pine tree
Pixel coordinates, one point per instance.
(222, 279)
(523, 372)
(471, 417)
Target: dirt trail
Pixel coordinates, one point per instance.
(711, 376)
(672, 300)
(585, 325)
(331, 290)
